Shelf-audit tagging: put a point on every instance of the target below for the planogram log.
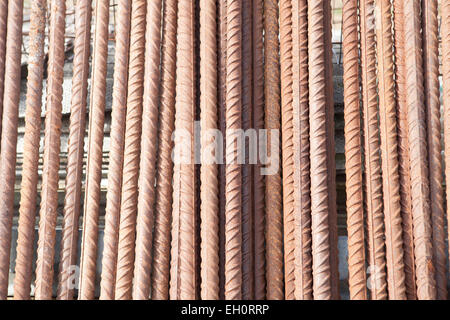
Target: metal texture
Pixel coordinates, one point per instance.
(318, 153)
(287, 146)
(49, 193)
(248, 281)
(372, 179)
(301, 165)
(3, 31)
(233, 188)
(258, 124)
(132, 149)
(183, 256)
(28, 189)
(433, 115)
(72, 200)
(164, 172)
(209, 209)
(403, 151)
(11, 98)
(420, 193)
(274, 218)
(146, 198)
(113, 195)
(353, 155)
(389, 159)
(445, 36)
(88, 257)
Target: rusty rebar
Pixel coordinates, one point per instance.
(301, 172)
(28, 189)
(113, 195)
(420, 193)
(258, 124)
(209, 209)
(389, 159)
(403, 150)
(248, 280)
(274, 219)
(50, 177)
(128, 206)
(233, 188)
(72, 205)
(146, 198)
(164, 172)
(221, 84)
(445, 36)
(331, 153)
(353, 154)
(287, 145)
(183, 264)
(318, 152)
(3, 25)
(88, 258)
(373, 182)
(9, 119)
(433, 115)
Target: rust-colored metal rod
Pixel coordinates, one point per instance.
(373, 182)
(258, 124)
(318, 152)
(94, 154)
(331, 153)
(445, 36)
(353, 156)
(49, 193)
(72, 205)
(209, 209)
(164, 172)
(420, 193)
(113, 195)
(433, 108)
(3, 23)
(183, 282)
(403, 151)
(28, 189)
(233, 188)
(274, 221)
(10, 116)
(146, 198)
(302, 183)
(221, 84)
(287, 145)
(127, 227)
(248, 280)
(389, 160)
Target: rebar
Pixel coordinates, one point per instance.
(72, 200)
(301, 172)
(49, 194)
(209, 209)
(353, 155)
(28, 192)
(113, 195)
(389, 158)
(89, 241)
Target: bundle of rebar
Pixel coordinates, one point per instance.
(221, 176)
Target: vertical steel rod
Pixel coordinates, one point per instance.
(72, 200)
(28, 189)
(50, 177)
(353, 156)
(301, 168)
(113, 195)
(88, 258)
(11, 98)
